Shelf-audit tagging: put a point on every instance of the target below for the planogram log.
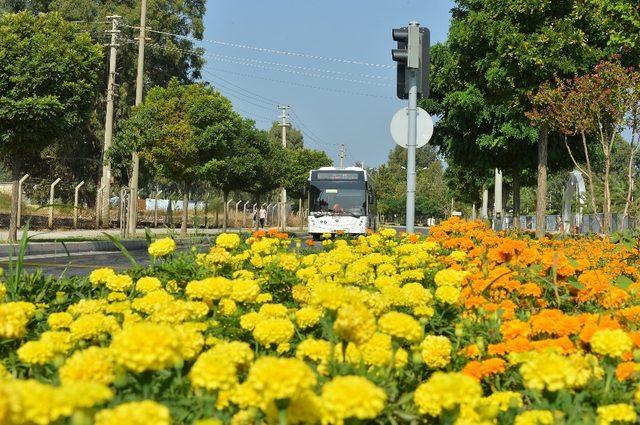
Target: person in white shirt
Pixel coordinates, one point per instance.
(262, 215)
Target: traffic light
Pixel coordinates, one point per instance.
(412, 52)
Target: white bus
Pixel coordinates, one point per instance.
(341, 200)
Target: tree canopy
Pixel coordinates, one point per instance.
(49, 71)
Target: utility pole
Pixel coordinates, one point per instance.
(103, 214)
(497, 201)
(341, 155)
(133, 199)
(283, 191)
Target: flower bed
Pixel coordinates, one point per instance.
(465, 326)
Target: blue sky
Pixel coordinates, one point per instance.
(332, 102)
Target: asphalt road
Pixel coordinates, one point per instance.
(80, 264)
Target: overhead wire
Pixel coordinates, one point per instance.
(274, 51)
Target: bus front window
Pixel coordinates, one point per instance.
(338, 201)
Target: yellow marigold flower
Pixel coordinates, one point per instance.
(316, 350)
(616, 413)
(264, 298)
(552, 371)
(14, 317)
(273, 311)
(147, 284)
(3, 290)
(401, 325)
(152, 302)
(244, 290)
(535, 417)
(212, 288)
(458, 256)
(87, 306)
(351, 397)
(249, 321)
(135, 413)
(228, 241)
(447, 294)
(190, 339)
(307, 317)
(504, 400)
(329, 296)
(119, 282)
(162, 247)
(227, 307)
(60, 341)
(388, 232)
(36, 353)
(100, 276)
(611, 342)
(146, 346)
(60, 320)
(90, 326)
(377, 351)
(214, 370)
(449, 277)
(276, 378)
(355, 323)
(289, 262)
(436, 351)
(273, 331)
(416, 295)
(114, 298)
(93, 364)
(444, 391)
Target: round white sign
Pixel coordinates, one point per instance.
(400, 127)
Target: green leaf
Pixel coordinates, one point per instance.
(122, 249)
(623, 282)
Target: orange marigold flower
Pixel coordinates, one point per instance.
(480, 370)
(515, 328)
(626, 370)
(530, 290)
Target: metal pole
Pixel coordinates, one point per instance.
(300, 214)
(244, 214)
(411, 145)
(497, 201)
(283, 191)
(26, 176)
(13, 218)
(235, 219)
(341, 153)
(75, 204)
(103, 214)
(133, 200)
(155, 208)
(99, 205)
(485, 204)
(51, 198)
(226, 214)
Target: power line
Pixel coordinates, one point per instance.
(249, 62)
(275, 51)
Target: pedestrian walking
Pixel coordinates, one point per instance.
(262, 215)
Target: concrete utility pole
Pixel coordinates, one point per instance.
(341, 155)
(103, 213)
(485, 203)
(283, 191)
(412, 69)
(20, 183)
(133, 199)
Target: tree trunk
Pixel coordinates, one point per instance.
(225, 219)
(541, 196)
(606, 207)
(169, 212)
(516, 196)
(185, 209)
(17, 164)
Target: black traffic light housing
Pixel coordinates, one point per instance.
(401, 55)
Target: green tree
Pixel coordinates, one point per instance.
(181, 131)
(499, 51)
(295, 138)
(300, 162)
(49, 71)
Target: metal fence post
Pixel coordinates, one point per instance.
(123, 212)
(26, 176)
(236, 217)
(99, 205)
(75, 204)
(244, 214)
(155, 208)
(13, 219)
(51, 199)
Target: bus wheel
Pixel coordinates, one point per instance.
(316, 236)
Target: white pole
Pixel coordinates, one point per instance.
(51, 199)
(99, 205)
(244, 214)
(26, 176)
(497, 201)
(412, 139)
(226, 213)
(283, 191)
(75, 204)
(155, 208)
(235, 219)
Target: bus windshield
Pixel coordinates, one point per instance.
(338, 197)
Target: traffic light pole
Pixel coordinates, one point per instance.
(411, 149)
